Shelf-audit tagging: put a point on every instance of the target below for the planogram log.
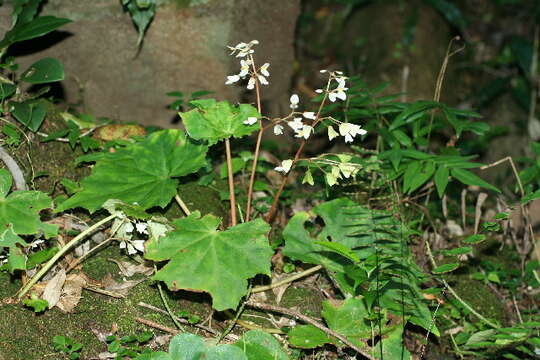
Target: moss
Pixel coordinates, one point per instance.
(25, 335)
(308, 301)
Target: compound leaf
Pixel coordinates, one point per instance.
(205, 259)
(139, 173)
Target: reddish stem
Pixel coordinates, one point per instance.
(231, 182)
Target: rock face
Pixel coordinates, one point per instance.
(184, 50)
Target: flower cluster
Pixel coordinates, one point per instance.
(243, 50)
(348, 130)
(339, 91)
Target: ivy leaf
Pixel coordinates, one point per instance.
(141, 172)
(214, 121)
(205, 259)
(258, 345)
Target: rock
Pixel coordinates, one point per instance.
(184, 50)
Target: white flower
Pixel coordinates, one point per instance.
(296, 124)
(341, 81)
(350, 131)
(232, 79)
(243, 49)
(128, 227)
(305, 132)
(132, 246)
(285, 166)
(262, 80)
(294, 101)
(264, 69)
(244, 67)
(35, 243)
(319, 91)
(141, 228)
(323, 71)
(338, 93)
(278, 129)
(251, 83)
(332, 133)
(309, 115)
(250, 120)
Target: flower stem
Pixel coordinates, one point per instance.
(182, 204)
(231, 182)
(257, 146)
(60, 253)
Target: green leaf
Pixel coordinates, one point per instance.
(392, 346)
(141, 172)
(446, 268)
(348, 319)
(29, 113)
(530, 197)
(457, 251)
(237, 165)
(308, 337)
(38, 27)
(205, 259)
(188, 346)
(468, 178)
(6, 90)
(37, 304)
(214, 121)
(441, 179)
(450, 11)
(475, 239)
(20, 209)
(40, 257)
(16, 257)
(6, 182)
(44, 71)
(142, 17)
(339, 249)
(258, 345)
(417, 174)
(413, 112)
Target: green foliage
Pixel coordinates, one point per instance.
(213, 121)
(44, 71)
(32, 29)
(37, 304)
(205, 259)
(129, 346)
(68, 346)
(142, 13)
(143, 172)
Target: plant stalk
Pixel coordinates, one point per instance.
(60, 253)
(233, 221)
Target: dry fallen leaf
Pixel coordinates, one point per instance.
(53, 289)
(128, 268)
(71, 292)
(122, 288)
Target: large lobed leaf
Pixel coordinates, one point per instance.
(205, 259)
(140, 173)
(214, 121)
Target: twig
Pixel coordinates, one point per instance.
(184, 321)
(309, 320)
(104, 292)
(166, 304)
(232, 198)
(182, 204)
(235, 318)
(60, 253)
(14, 169)
(452, 291)
(257, 145)
(300, 275)
(155, 325)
